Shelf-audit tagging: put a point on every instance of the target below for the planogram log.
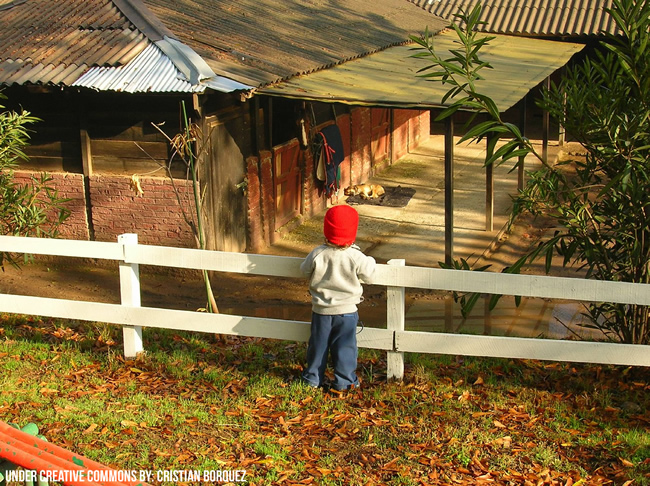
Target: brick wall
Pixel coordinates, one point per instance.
(361, 135)
(419, 127)
(255, 229)
(402, 121)
(313, 201)
(268, 196)
(343, 122)
(155, 215)
(69, 186)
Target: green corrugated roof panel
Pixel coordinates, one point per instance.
(389, 78)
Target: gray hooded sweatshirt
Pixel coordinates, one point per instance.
(336, 275)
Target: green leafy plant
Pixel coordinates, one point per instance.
(601, 203)
(31, 209)
(467, 301)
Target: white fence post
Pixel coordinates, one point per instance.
(130, 296)
(395, 298)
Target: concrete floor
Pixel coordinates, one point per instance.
(416, 233)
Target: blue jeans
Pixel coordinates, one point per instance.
(335, 335)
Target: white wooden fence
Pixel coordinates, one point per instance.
(396, 276)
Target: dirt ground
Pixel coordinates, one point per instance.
(98, 281)
(260, 296)
(248, 295)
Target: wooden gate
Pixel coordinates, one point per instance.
(223, 179)
(286, 182)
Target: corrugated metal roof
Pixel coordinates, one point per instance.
(262, 41)
(93, 44)
(532, 17)
(150, 71)
(249, 42)
(389, 78)
(55, 41)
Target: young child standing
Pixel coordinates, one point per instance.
(336, 270)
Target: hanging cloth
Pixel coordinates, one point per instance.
(329, 158)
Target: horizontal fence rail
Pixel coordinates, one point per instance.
(179, 320)
(539, 286)
(395, 276)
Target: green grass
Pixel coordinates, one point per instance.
(193, 402)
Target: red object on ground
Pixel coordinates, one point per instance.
(30, 452)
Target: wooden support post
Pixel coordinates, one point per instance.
(522, 122)
(449, 190)
(489, 194)
(268, 119)
(396, 302)
(561, 137)
(258, 123)
(197, 105)
(489, 197)
(449, 313)
(130, 296)
(86, 153)
(546, 118)
(87, 168)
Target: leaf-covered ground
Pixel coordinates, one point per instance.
(194, 402)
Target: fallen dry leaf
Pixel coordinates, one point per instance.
(625, 462)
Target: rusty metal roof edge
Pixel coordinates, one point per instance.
(586, 18)
(360, 102)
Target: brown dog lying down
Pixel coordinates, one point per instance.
(366, 191)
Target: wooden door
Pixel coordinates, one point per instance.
(222, 180)
(286, 179)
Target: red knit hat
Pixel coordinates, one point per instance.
(340, 225)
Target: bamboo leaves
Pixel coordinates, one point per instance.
(600, 202)
(461, 72)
